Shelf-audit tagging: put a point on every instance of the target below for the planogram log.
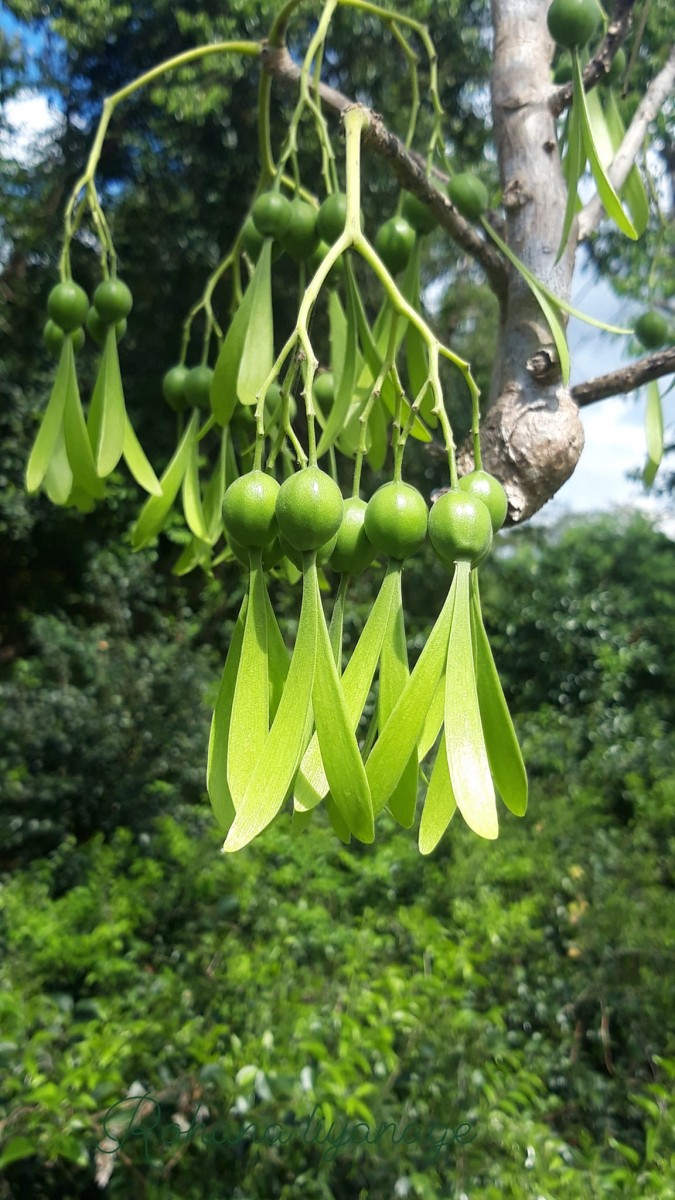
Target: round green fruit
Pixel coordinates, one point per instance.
(460, 528)
(616, 70)
(330, 221)
(651, 330)
(248, 510)
(251, 240)
(353, 550)
(301, 238)
(198, 386)
(417, 214)
(394, 244)
(53, 337)
(324, 390)
(97, 328)
(272, 214)
(68, 305)
(564, 71)
(469, 195)
(490, 491)
(396, 520)
(309, 509)
(572, 23)
(173, 388)
(113, 301)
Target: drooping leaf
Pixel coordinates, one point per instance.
(274, 772)
(156, 509)
(51, 426)
(216, 769)
(503, 751)
(250, 717)
(573, 168)
(107, 418)
(192, 496)
(393, 676)
(377, 436)
(466, 753)
(337, 325)
(279, 658)
(195, 554)
(633, 190)
(257, 354)
(610, 201)
(78, 445)
(439, 803)
(58, 480)
(346, 382)
(226, 370)
(335, 817)
(653, 432)
(433, 720)
(139, 467)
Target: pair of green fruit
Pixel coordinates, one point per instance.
(188, 387)
(307, 514)
(69, 310)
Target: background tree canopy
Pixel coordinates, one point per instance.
(505, 1009)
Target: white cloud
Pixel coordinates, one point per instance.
(32, 122)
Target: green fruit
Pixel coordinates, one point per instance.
(572, 23)
(113, 301)
(251, 240)
(651, 329)
(417, 214)
(616, 70)
(324, 390)
(469, 195)
(248, 510)
(322, 555)
(198, 387)
(272, 214)
(330, 221)
(490, 491)
(353, 550)
(396, 520)
(173, 388)
(460, 528)
(564, 71)
(301, 238)
(394, 243)
(68, 305)
(309, 509)
(273, 402)
(53, 336)
(96, 327)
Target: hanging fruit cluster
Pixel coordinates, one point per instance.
(288, 725)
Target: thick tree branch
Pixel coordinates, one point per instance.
(408, 167)
(602, 60)
(626, 379)
(653, 100)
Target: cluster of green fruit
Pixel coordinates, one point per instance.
(289, 725)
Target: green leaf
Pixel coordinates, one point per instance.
(17, 1148)
(311, 786)
(78, 445)
(653, 432)
(216, 769)
(276, 767)
(139, 467)
(192, 496)
(195, 554)
(573, 168)
(335, 817)
(503, 751)
(610, 201)
(250, 717)
(224, 382)
(337, 325)
(400, 736)
(433, 720)
(633, 190)
(279, 658)
(58, 480)
(344, 387)
(107, 417)
(342, 761)
(51, 426)
(377, 436)
(155, 510)
(337, 622)
(439, 803)
(393, 676)
(464, 740)
(257, 354)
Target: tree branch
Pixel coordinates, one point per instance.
(626, 379)
(654, 98)
(602, 60)
(408, 167)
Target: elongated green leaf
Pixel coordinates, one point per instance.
(439, 803)
(464, 740)
(107, 417)
(335, 817)
(573, 167)
(195, 554)
(58, 480)
(250, 718)
(192, 496)
(393, 676)
(433, 720)
(557, 329)
(503, 751)
(344, 389)
(300, 821)
(51, 426)
(377, 436)
(139, 467)
(633, 190)
(337, 741)
(610, 201)
(337, 617)
(399, 738)
(78, 445)
(156, 509)
(653, 432)
(257, 355)
(216, 769)
(311, 785)
(337, 324)
(224, 382)
(276, 767)
(279, 658)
